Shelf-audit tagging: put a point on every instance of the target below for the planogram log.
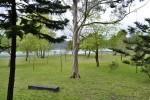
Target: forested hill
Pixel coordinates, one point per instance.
(60, 45)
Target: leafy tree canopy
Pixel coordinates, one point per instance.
(29, 14)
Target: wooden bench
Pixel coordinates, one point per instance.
(43, 87)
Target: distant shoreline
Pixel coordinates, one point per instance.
(51, 52)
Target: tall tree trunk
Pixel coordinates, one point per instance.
(121, 57)
(75, 73)
(65, 55)
(61, 62)
(13, 53)
(89, 54)
(136, 69)
(37, 53)
(43, 55)
(75, 63)
(85, 52)
(96, 58)
(27, 55)
(72, 52)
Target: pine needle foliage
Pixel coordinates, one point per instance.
(30, 14)
(138, 46)
(22, 17)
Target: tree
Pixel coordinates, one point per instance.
(31, 43)
(69, 46)
(30, 15)
(4, 42)
(117, 44)
(84, 44)
(84, 10)
(28, 44)
(139, 44)
(94, 41)
(44, 45)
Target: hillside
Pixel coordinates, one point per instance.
(59, 45)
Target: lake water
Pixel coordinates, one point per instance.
(51, 52)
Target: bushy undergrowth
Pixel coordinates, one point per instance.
(113, 66)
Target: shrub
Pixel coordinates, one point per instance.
(114, 65)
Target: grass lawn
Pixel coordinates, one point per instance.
(96, 83)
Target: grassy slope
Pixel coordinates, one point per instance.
(96, 83)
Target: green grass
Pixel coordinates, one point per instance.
(96, 83)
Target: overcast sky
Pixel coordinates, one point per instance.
(140, 15)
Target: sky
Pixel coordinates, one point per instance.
(139, 16)
(129, 20)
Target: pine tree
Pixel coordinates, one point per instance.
(138, 46)
(117, 44)
(30, 14)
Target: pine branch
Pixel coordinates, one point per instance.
(51, 39)
(120, 51)
(3, 48)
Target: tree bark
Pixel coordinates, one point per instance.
(27, 55)
(89, 54)
(96, 58)
(85, 52)
(136, 69)
(13, 53)
(42, 53)
(75, 63)
(121, 57)
(75, 73)
(65, 55)
(37, 53)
